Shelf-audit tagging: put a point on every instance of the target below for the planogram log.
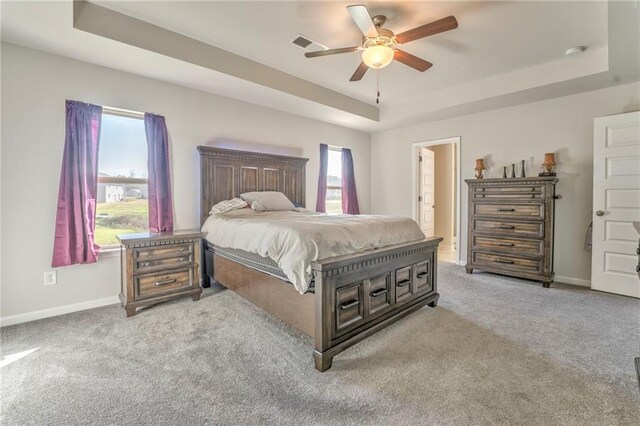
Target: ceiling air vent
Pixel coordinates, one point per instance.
(306, 43)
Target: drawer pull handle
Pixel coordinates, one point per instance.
(533, 195)
(481, 195)
(378, 292)
(183, 259)
(638, 269)
(533, 189)
(505, 227)
(165, 281)
(421, 275)
(506, 210)
(403, 283)
(349, 304)
(145, 264)
(508, 262)
(505, 244)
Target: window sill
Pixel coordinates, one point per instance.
(109, 252)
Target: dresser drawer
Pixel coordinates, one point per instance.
(530, 211)
(509, 246)
(509, 228)
(506, 189)
(157, 284)
(508, 263)
(511, 196)
(379, 294)
(162, 251)
(349, 307)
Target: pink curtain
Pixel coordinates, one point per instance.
(160, 203)
(322, 179)
(349, 195)
(76, 212)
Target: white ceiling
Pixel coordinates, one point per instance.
(502, 53)
(492, 37)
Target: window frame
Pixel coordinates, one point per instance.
(334, 187)
(115, 248)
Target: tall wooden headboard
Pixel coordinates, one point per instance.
(227, 173)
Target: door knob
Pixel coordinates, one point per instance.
(599, 213)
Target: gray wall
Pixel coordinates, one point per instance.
(34, 88)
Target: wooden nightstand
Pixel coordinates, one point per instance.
(159, 267)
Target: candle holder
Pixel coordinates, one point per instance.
(513, 170)
(504, 172)
(522, 174)
(479, 168)
(549, 162)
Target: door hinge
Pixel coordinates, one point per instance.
(420, 198)
(420, 158)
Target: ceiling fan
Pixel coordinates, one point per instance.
(380, 45)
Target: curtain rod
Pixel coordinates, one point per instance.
(122, 112)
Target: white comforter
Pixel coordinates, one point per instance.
(294, 239)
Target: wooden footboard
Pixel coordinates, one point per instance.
(360, 294)
(355, 295)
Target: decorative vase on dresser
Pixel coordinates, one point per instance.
(511, 227)
(159, 267)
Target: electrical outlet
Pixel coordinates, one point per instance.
(50, 278)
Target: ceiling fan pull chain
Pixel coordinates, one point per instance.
(377, 86)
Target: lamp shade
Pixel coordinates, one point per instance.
(549, 159)
(377, 56)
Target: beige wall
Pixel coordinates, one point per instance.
(34, 88)
(444, 192)
(505, 136)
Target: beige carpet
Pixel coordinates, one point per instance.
(495, 351)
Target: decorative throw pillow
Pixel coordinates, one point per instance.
(228, 205)
(268, 201)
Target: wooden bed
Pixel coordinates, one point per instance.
(355, 295)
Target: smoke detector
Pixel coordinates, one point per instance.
(576, 50)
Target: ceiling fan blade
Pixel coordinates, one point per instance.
(411, 61)
(361, 17)
(426, 30)
(357, 76)
(332, 51)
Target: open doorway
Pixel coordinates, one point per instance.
(437, 193)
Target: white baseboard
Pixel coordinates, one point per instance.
(558, 278)
(574, 281)
(60, 310)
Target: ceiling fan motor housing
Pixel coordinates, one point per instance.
(385, 37)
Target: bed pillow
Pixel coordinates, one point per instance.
(267, 201)
(228, 205)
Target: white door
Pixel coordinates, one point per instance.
(427, 192)
(616, 204)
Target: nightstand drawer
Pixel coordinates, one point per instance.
(150, 265)
(156, 284)
(163, 251)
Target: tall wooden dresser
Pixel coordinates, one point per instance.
(510, 229)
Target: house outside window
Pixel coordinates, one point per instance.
(334, 181)
(122, 198)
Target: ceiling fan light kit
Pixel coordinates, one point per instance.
(377, 56)
(380, 45)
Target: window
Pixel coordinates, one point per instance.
(334, 181)
(122, 205)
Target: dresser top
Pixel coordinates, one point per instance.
(159, 236)
(518, 180)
